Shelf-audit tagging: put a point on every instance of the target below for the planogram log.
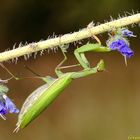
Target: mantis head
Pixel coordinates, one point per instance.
(101, 66)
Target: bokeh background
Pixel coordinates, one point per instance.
(104, 106)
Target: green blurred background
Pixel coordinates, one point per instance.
(104, 106)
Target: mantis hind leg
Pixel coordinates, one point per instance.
(12, 75)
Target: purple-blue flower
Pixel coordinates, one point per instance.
(117, 44)
(127, 33)
(120, 44)
(126, 51)
(7, 106)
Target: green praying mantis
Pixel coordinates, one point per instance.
(43, 96)
(39, 99)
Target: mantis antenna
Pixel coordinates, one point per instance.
(28, 68)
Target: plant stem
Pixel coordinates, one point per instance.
(69, 38)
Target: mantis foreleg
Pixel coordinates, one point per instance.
(59, 66)
(79, 53)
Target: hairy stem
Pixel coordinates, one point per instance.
(69, 38)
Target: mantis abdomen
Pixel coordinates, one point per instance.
(39, 100)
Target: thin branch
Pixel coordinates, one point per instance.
(69, 38)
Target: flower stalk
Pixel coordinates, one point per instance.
(69, 38)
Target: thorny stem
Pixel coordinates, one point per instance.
(69, 38)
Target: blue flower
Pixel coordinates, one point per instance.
(120, 44)
(7, 106)
(117, 44)
(126, 51)
(123, 32)
(127, 33)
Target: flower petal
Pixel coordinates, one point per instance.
(3, 109)
(121, 44)
(10, 106)
(126, 51)
(127, 33)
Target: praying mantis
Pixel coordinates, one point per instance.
(40, 99)
(43, 96)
